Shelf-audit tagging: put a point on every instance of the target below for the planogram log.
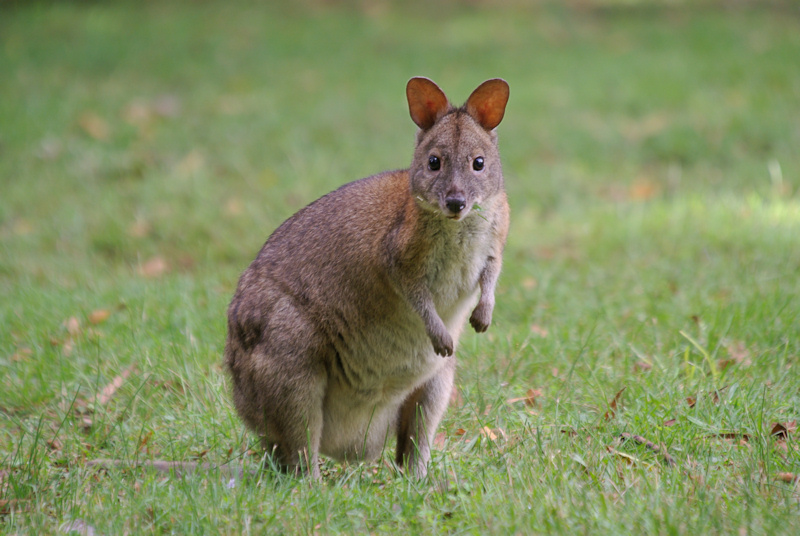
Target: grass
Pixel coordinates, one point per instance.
(147, 151)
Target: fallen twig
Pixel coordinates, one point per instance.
(650, 445)
(17, 505)
(226, 470)
(740, 436)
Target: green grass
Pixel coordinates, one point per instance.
(651, 157)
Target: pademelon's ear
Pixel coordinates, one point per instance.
(426, 102)
(487, 104)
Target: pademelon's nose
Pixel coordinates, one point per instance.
(455, 203)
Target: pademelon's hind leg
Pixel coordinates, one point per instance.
(279, 386)
(291, 423)
(419, 417)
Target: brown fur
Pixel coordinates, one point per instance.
(344, 326)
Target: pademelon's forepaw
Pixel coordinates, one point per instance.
(443, 344)
(481, 318)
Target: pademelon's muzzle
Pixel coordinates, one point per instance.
(455, 205)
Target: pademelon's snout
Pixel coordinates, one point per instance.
(455, 203)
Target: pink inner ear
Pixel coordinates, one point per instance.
(425, 101)
(431, 108)
(487, 115)
(488, 102)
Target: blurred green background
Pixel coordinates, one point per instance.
(166, 113)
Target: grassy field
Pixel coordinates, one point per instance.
(651, 284)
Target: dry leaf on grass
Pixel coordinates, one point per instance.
(612, 406)
(169, 385)
(781, 430)
(639, 128)
(140, 229)
(94, 126)
(670, 422)
(630, 460)
(15, 505)
(22, 227)
(789, 478)
(738, 352)
(140, 112)
(715, 396)
(234, 206)
(643, 189)
(22, 354)
(137, 113)
(154, 267)
(145, 440)
(641, 366)
(539, 331)
(492, 434)
(86, 424)
(186, 262)
(741, 437)
(73, 326)
(109, 390)
(193, 162)
(99, 316)
(529, 399)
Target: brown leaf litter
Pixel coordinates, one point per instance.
(612, 405)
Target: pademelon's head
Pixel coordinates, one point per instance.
(456, 163)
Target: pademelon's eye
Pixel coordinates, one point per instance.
(433, 163)
(477, 164)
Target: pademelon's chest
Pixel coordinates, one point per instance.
(454, 267)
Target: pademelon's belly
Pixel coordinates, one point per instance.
(372, 377)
